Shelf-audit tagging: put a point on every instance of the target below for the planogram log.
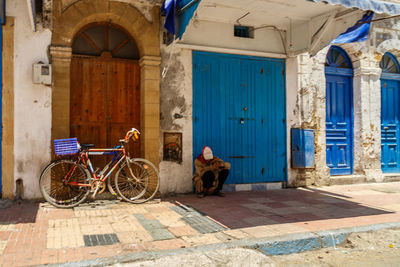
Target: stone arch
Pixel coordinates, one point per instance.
(391, 46)
(68, 21)
(84, 12)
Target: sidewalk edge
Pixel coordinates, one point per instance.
(278, 245)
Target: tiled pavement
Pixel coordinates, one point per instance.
(37, 233)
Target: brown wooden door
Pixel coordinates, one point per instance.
(105, 101)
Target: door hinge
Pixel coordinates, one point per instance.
(283, 120)
(283, 72)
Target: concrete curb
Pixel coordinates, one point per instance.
(280, 245)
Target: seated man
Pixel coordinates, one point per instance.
(210, 173)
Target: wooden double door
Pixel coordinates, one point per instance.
(104, 101)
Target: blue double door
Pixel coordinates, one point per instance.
(239, 111)
(339, 121)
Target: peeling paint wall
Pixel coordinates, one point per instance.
(32, 115)
(176, 98)
(366, 109)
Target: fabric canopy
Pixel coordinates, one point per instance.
(373, 5)
(178, 15)
(357, 33)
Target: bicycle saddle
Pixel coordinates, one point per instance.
(86, 145)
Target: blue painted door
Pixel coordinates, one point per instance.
(239, 110)
(339, 112)
(339, 152)
(390, 114)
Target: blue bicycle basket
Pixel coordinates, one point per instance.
(66, 146)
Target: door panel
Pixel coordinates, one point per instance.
(390, 125)
(105, 101)
(239, 110)
(123, 103)
(339, 144)
(88, 100)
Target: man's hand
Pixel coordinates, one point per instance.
(217, 164)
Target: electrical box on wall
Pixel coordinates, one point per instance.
(42, 73)
(303, 151)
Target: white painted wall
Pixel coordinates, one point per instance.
(215, 34)
(32, 104)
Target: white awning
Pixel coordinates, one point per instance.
(32, 13)
(373, 5)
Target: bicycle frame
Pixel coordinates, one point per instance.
(84, 159)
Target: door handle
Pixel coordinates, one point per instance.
(241, 121)
(386, 128)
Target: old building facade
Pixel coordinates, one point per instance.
(241, 77)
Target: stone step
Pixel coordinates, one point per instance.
(347, 179)
(395, 177)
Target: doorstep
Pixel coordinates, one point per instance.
(252, 187)
(347, 179)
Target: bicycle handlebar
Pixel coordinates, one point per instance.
(134, 133)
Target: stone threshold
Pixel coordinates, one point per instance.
(252, 187)
(391, 177)
(360, 179)
(347, 179)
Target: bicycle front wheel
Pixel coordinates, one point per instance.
(61, 183)
(154, 180)
(131, 180)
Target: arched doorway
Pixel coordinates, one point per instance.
(105, 91)
(390, 113)
(339, 112)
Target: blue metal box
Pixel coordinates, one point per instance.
(302, 147)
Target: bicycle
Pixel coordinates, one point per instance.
(66, 183)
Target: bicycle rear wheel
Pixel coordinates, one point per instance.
(59, 183)
(154, 180)
(131, 180)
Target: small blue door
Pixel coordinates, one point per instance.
(390, 114)
(239, 110)
(339, 112)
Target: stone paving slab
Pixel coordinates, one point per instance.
(39, 234)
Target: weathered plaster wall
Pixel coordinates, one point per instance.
(311, 101)
(32, 113)
(292, 110)
(176, 97)
(366, 111)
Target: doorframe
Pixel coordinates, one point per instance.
(385, 76)
(349, 73)
(67, 22)
(284, 81)
(7, 110)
